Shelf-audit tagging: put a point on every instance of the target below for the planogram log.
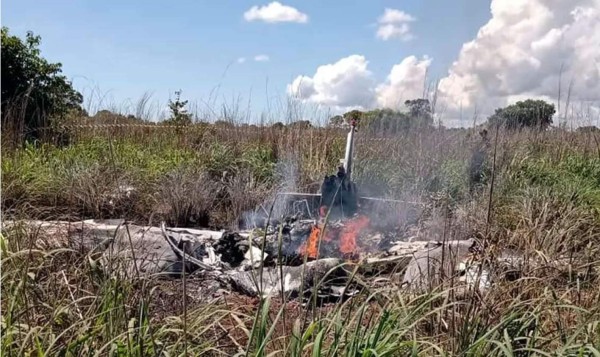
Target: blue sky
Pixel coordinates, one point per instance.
(126, 48)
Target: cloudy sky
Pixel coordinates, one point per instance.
(475, 55)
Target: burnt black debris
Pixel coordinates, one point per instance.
(232, 248)
(295, 280)
(237, 261)
(339, 195)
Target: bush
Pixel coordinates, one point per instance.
(525, 114)
(33, 90)
(418, 116)
(179, 114)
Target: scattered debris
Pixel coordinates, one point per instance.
(275, 261)
(292, 279)
(431, 267)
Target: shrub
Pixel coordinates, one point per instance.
(524, 114)
(33, 90)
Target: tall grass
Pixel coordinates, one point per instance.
(546, 206)
(61, 302)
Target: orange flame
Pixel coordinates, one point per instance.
(347, 238)
(349, 234)
(310, 247)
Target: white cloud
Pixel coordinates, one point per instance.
(275, 12)
(261, 58)
(525, 50)
(395, 24)
(405, 81)
(241, 60)
(342, 85)
(395, 16)
(348, 84)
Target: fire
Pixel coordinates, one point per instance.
(349, 233)
(310, 247)
(345, 238)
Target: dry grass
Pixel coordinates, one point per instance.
(546, 205)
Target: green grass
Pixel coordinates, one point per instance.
(61, 302)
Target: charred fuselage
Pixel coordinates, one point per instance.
(339, 196)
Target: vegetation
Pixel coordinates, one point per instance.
(34, 92)
(538, 193)
(179, 114)
(418, 116)
(546, 201)
(525, 114)
(420, 109)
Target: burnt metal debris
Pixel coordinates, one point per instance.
(269, 264)
(262, 264)
(339, 195)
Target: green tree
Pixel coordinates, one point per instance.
(524, 114)
(278, 125)
(340, 121)
(385, 121)
(419, 110)
(34, 91)
(300, 124)
(108, 117)
(221, 123)
(354, 115)
(179, 114)
(336, 121)
(588, 129)
(419, 115)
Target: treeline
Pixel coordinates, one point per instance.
(418, 114)
(36, 95)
